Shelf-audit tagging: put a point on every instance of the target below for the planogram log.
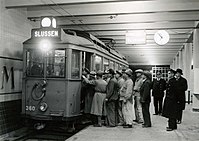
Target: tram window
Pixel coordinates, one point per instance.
(106, 64)
(75, 64)
(120, 67)
(34, 63)
(55, 66)
(111, 65)
(116, 66)
(98, 63)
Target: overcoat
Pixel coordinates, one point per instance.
(145, 89)
(170, 106)
(181, 87)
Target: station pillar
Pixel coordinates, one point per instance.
(196, 70)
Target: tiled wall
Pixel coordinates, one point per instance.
(14, 30)
(10, 116)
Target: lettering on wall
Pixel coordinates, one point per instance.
(8, 75)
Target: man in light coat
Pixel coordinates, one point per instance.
(136, 92)
(127, 98)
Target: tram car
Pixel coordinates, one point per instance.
(53, 63)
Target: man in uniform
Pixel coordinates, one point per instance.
(158, 88)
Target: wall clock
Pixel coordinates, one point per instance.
(161, 37)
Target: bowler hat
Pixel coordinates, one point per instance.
(179, 71)
(139, 71)
(129, 72)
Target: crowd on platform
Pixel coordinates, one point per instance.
(121, 100)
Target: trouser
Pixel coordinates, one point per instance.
(111, 113)
(172, 123)
(120, 114)
(146, 114)
(158, 104)
(180, 115)
(138, 109)
(127, 110)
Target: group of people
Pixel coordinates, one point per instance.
(122, 100)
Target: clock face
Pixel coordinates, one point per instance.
(161, 37)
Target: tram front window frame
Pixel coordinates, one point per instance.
(54, 61)
(75, 64)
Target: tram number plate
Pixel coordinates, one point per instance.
(30, 108)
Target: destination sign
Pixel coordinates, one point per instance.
(41, 33)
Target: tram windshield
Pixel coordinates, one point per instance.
(34, 62)
(55, 63)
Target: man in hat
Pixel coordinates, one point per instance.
(145, 98)
(158, 88)
(136, 92)
(112, 95)
(170, 109)
(126, 93)
(181, 87)
(88, 91)
(97, 106)
(120, 81)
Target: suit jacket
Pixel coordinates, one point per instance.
(158, 87)
(145, 90)
(112, 90)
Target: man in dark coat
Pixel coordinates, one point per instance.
(145, 98)
(158, 87)
(181, 87)
(112, 96)
(170, 107)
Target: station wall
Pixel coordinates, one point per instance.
(14, 30)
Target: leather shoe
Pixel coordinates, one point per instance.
(179, 122)
(128, 126)
(169, 129)
(146, 126)
(97, 125)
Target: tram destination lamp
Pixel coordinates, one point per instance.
(48, 22)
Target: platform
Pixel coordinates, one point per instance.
(188, 130)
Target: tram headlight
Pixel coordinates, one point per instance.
(45, 45)
(48, 22)
(43, 107)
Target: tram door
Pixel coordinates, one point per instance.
(86, 60)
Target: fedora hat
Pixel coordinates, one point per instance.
(179, 71)
(139, 71)
(111, 71)
(147, 74)
(92, 74)
(100, 73)
(129, 72)
(119, 72)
